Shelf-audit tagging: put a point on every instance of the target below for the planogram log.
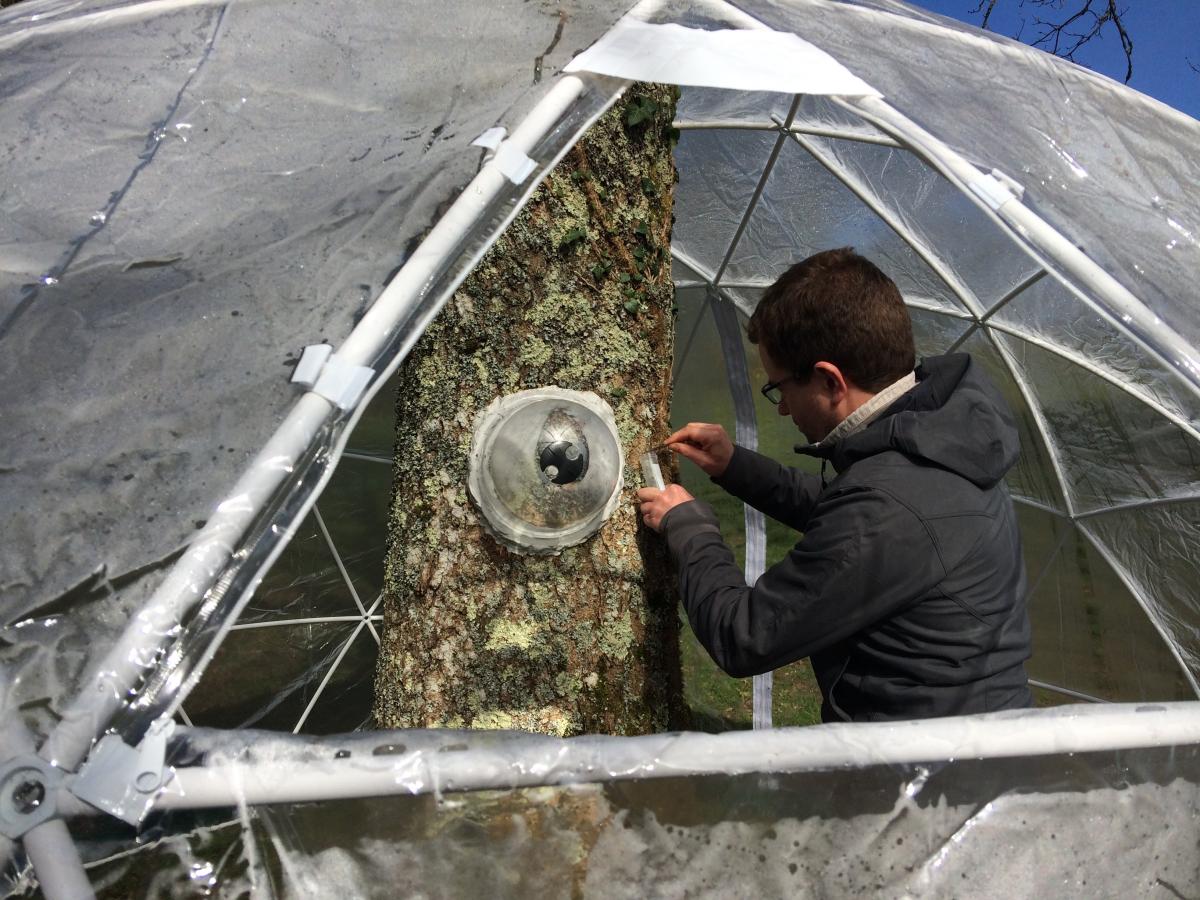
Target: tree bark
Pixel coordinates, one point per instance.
(577, 293)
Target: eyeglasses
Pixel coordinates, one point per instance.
(771, 391)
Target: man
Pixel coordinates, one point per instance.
(907, 589)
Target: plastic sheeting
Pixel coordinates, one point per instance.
(1101, 163)
(203, 190)
(916, 832)
(171, 247)
(728, 815)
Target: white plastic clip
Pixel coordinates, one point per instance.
(343, 384)
(491, 138)
(992, 191)
(122, 780)
(512, 163)
(311, 362)
(323, 373)
(1013, 185)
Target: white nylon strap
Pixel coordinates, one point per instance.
(746, 434)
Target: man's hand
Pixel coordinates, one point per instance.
(655, 503)
(708, 446)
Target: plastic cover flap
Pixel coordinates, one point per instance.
(744, 60)
(1068, 827)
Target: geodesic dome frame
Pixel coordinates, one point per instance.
(1038, 308)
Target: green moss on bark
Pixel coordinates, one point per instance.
(577, 293)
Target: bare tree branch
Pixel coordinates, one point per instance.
(1067, 36)
(987, 13)
(1074, 24)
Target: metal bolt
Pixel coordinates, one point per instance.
(28, 796)
(562, 462)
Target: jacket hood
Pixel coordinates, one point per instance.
(954, 418)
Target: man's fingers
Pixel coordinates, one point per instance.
(653, 504)
(683, 435)
(699, 433)
(690, 451)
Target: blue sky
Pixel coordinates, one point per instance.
(1165, 34)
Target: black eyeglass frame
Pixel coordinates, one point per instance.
(770, 390)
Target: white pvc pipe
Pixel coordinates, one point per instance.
(56, 861)
(51, 852)
(110, 683)
(307, 769)
(843, 134)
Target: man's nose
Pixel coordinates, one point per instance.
(782, 408)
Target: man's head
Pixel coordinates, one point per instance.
(834, 329)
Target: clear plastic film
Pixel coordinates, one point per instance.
(263, 174)
(238, 549)
(1105, 423)
(927, 209)
(999, 804)
(237, 582)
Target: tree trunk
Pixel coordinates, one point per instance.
(577, 293)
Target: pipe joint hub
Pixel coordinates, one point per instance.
(28, 790)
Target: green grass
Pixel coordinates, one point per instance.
(717, 701)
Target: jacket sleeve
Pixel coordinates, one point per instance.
(783, 493)
(863, 557)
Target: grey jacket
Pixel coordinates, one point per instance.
(907, 588)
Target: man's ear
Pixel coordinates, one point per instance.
(831, 381)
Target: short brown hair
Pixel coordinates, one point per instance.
(839, 307)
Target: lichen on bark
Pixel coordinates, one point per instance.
(577, 293)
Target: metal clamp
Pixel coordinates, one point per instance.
(122, 780)
(28, 787)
